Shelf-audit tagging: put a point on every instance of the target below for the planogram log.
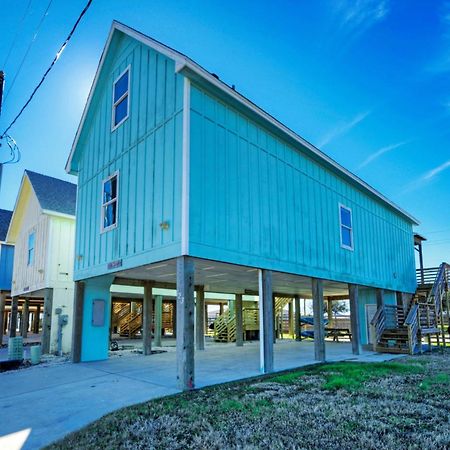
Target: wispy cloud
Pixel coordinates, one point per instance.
(342, 129)
(380, 152)
(357, 16)
(427, 177)
(441, 61)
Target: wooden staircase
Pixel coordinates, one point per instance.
(225, 324)
(401, 329)
(131, 323)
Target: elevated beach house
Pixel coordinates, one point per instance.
(42, 230)
(6, 268)
(185, 184)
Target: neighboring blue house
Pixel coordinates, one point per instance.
(183, 181)
(6, 267)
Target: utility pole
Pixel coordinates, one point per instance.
(2, 83)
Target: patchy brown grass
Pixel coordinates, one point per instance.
(398, 405)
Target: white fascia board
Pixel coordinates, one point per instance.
(58, 214)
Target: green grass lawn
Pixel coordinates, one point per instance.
(395, 405)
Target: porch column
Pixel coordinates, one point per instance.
(2, 314)
(200, 318)
(319, 327)
(13, 320)
(185, 323)
(158, 320)
(266, 321)
(78, 306)
(291, 318)
(380, 297)
(147, 314)
(239, 321)
(36, 319)
(47, 320)
(25, 317)
(297, 316)
(354, 319)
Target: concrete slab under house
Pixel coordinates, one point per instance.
(186, 185)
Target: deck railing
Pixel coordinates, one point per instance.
(412, 324)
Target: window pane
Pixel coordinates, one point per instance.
(346, 236)
(346, 218)
(110, 189)
(121, 86)
(109, 215)
(121, 111)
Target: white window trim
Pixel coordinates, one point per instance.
(102, 218)
(30, 264)
(114, 104)
(347, 247)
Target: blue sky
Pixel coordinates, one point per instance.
(366, 81)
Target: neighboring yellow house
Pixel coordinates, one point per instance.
(42, 229)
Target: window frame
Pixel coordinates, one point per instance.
(31, 262)
(341, 225)
(104, 229)
(115, 103)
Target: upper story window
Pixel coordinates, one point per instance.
(31, 239)
(109, 202)
(346, 225)
(121, 98)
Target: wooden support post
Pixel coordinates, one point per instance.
(239, 321)
(25, 317)
(37, 314)
(206, 318)
(354, 319)
(77, 329)
(147, 315)
(298, 329)
(200, 319)
(185, 323)
(47, 320)
(13, 320)
(291, 319)
(266, 319)
(319, 327)
(380, 297)
(158, 320)
(2, 314)
(275, 320)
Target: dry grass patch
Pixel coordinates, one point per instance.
(404, 404)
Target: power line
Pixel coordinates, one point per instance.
(57, 56)
(35, 35)
(18, 30)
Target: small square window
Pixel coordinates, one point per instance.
(31, 239)
(109, 202)
(346, 227)
(121, 98)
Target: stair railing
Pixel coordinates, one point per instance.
(412, 324)
(378, 323)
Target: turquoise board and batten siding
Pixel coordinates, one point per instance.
(256, 200)
(6, 266)
(146, 150)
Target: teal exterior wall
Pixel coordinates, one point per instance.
(146, 150)
(6, 266)
(95, 339)
(257, 200)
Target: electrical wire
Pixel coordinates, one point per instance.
(18, 30)
(57, 56)
(14, 151)
(33, 40)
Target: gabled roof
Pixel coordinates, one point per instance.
(5, 218)
(194, 71)
(53, 194)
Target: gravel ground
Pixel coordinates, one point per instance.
(398, 405)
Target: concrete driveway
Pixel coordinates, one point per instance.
(44, 403)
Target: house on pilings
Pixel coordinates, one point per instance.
(185, 184)
(42, 229)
